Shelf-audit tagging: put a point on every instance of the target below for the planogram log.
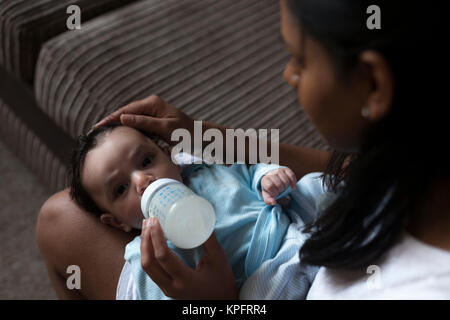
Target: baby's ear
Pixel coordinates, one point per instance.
(110, 220)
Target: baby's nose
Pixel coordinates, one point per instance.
(142, 181)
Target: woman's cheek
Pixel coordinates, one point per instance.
(308, 99)
(314, 100)
(129, 211)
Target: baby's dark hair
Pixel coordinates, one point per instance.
(85, 144)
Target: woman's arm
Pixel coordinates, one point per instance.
(301, 160)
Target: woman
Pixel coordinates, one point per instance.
(370, 93)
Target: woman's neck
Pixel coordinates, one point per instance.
(431, 222)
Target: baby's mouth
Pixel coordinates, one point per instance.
(151, 181)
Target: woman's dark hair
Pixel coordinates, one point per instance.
(381, 185)
(85, 144)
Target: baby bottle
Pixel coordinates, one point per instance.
(186, 219)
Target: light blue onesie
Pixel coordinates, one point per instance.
(249, 231)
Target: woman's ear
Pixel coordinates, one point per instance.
(381, 96)
(110, 220)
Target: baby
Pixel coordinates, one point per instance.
(113, 165)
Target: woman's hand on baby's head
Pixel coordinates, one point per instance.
(152, 115)
(275, 182)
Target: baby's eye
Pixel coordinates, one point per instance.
(121, 189)
(147, 161)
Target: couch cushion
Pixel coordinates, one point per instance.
(25, 25)
(31, 149)
(216, 60)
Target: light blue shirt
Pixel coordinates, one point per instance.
(284, 277)
(249, 231)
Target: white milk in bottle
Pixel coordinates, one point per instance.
(186, 219)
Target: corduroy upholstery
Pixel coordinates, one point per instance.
(26, 24)
(216, 60)
(30, 148)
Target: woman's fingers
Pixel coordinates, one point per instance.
(213, 251)
(148, 260)
(148, 106)
(133, 108)
(212, 279)
(144, 123)
(168, 260)
(215, 266)
(152, 115)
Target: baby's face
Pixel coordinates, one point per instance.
(117, 171)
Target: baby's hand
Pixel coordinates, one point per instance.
(275, 182)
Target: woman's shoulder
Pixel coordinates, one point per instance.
(411, 269)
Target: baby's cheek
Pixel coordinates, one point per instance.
(136, 216)
(131, 213)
